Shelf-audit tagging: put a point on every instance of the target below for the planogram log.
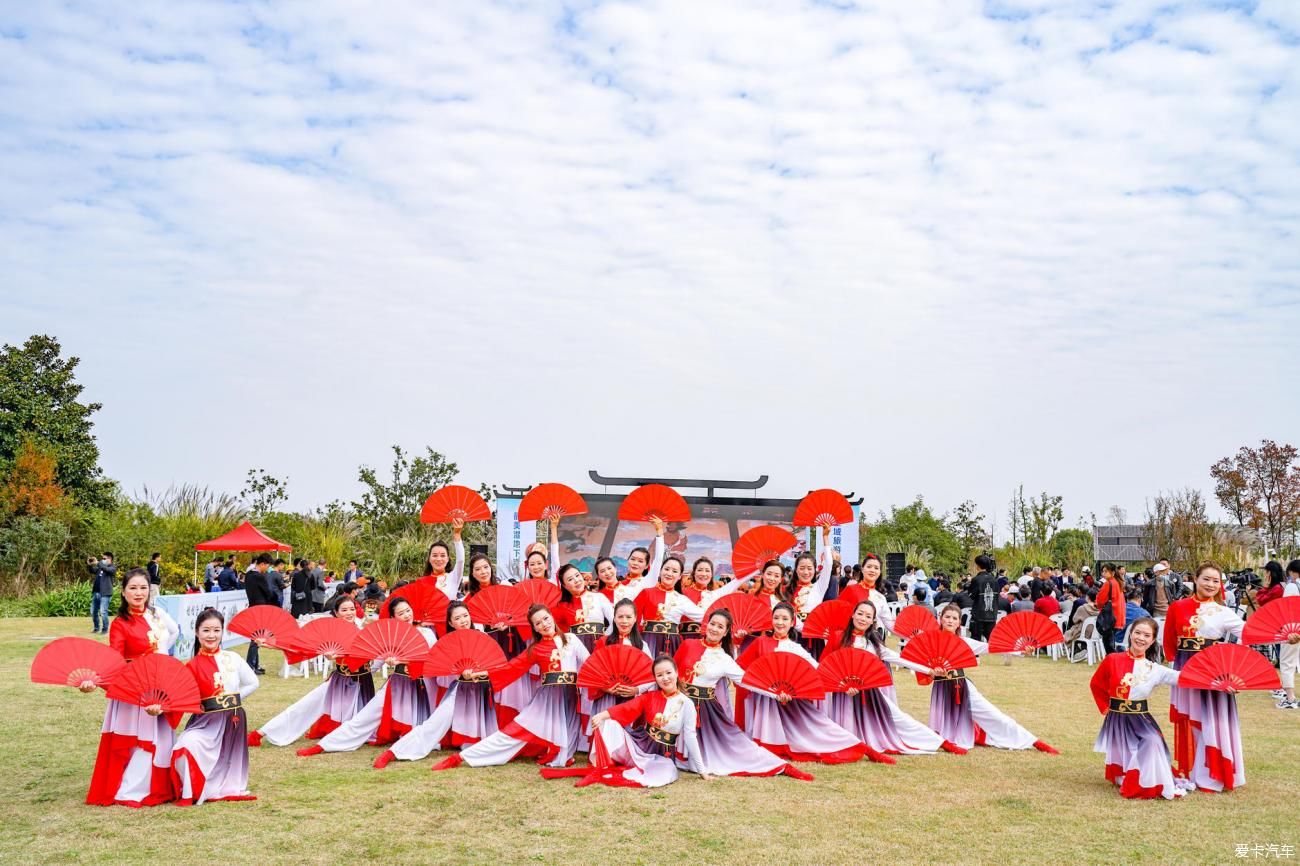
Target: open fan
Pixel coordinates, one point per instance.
(1274, 622)
(428, 603)
(1022, 632)
(1224, 667)
(157, 679)
(855, 595)
(823, 508)
(757, 546)
(386, 639)
(913, 620)
(654, 500)
(826, 619)
(539, 591)
(452, 502)
(465, 649)
(71, 661)
(497, 606)
(328, 636)
(852, 668)
(616, 665)
(785, 673)
(551, 500)
(748, 613)
(939, 649)
(266, 623)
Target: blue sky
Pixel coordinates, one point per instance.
(938, 247)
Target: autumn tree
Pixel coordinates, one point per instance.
(1260, 488)
(30, 486)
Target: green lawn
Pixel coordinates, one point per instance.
(988, 806)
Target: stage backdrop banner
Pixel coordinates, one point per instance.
(512, 538)
(186, 608)
(844, 538)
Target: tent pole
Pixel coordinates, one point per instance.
(196, 566)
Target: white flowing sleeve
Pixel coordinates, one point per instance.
(823, 581)
(173, 630)
(248, 681)
(429, 635)
(690, 741)
(888, 656)
(683, 608)
(606, 611)
(1163, 676)
(656, 562)
(553, 561)
(450, 582)
(978, 647)
(709, 596)
(459, 568)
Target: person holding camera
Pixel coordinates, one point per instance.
(103, 573)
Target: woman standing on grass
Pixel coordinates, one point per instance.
(868, 590)
(403, 702)
(133, 767)
(961, 715)
(873, 715)
(331, 704)
(210, 761)
(548, 727)
(725, 750)
(1207, 736)
(514, 697)
(1137, 759)
(463, 716)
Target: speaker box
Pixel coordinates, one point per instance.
(895, 565)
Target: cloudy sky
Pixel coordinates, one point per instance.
(926, 247)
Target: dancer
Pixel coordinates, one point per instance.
(585, 614)
(463, 715)
(331, 704)
(642, 566)
(648, 755)
(625, 632)
(725, 750)
(770, 585)
(549, 726)
(793, 728)
(518, 694)
(693, 586)
(133, 767)
(961, 715)
(873, 715)
(868, 590)
(807, 592)
(1207, 736)
(402, 703)
(210, 760)
(607, 577)
(1137, 759)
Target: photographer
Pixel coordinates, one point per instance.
(102, 574)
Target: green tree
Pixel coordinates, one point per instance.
(29, 547)
(263, 492)
(1072, 547)
(967, 526)
(394, 505)
(915, 526)
(39, 396)
(1042, 515)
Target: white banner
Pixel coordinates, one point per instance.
(844, 539)
(512, 538)
(186, 608)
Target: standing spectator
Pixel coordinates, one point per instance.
(1002, 578)
(1067, 576)
(1159, 590)
(210, 574)
(1086, 576)
(228, 580)
(1042, 585)
(908, 578)
(1121, 574)
(276, 583)
(259, 593)
(353, 573)
(154, 569)
(102, 573)
(1110, 595)
(317, 585)
(984, 597)
(1289, 652)
(301, 590)
(1027, 575)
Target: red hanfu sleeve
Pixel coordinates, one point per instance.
(514, 669)
(628, 712)
(117, 635)
(1173, 628)
(1101, 682)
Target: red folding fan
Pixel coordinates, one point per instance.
(823, 508)
(498, 606)
(266, 623)
(452, 502)
(327, 636)
(852, 668)
(465, 649)
(71, 661)
(855, 595)
(939, 649)
(539, 591)
(157, 679)
(551, 500)
(913, 620)
(748, 612)
(826, 619)
(785, 673)
(428, 603)
(757, 546)
(1274, 622)
(654, 500)
(616, 665)
(1229, 667)
(1024, 631)
(386, 639)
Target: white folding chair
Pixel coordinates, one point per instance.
(1055, 651)
(1092, 641)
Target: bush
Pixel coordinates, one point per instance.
(67, 601)
(29, 547)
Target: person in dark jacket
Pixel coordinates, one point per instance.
(259, 593)
(154, 568)
(984, 595)
(300, 586)
(276, 583)
(228, 580)
(102, 574)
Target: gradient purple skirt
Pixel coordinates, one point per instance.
(867, 717)
(949, 715)
(726, 751)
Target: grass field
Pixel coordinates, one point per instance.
(985, 807)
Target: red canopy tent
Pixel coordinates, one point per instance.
(245, 536)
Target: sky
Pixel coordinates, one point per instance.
(939, 247)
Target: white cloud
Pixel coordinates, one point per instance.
(898, 249)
